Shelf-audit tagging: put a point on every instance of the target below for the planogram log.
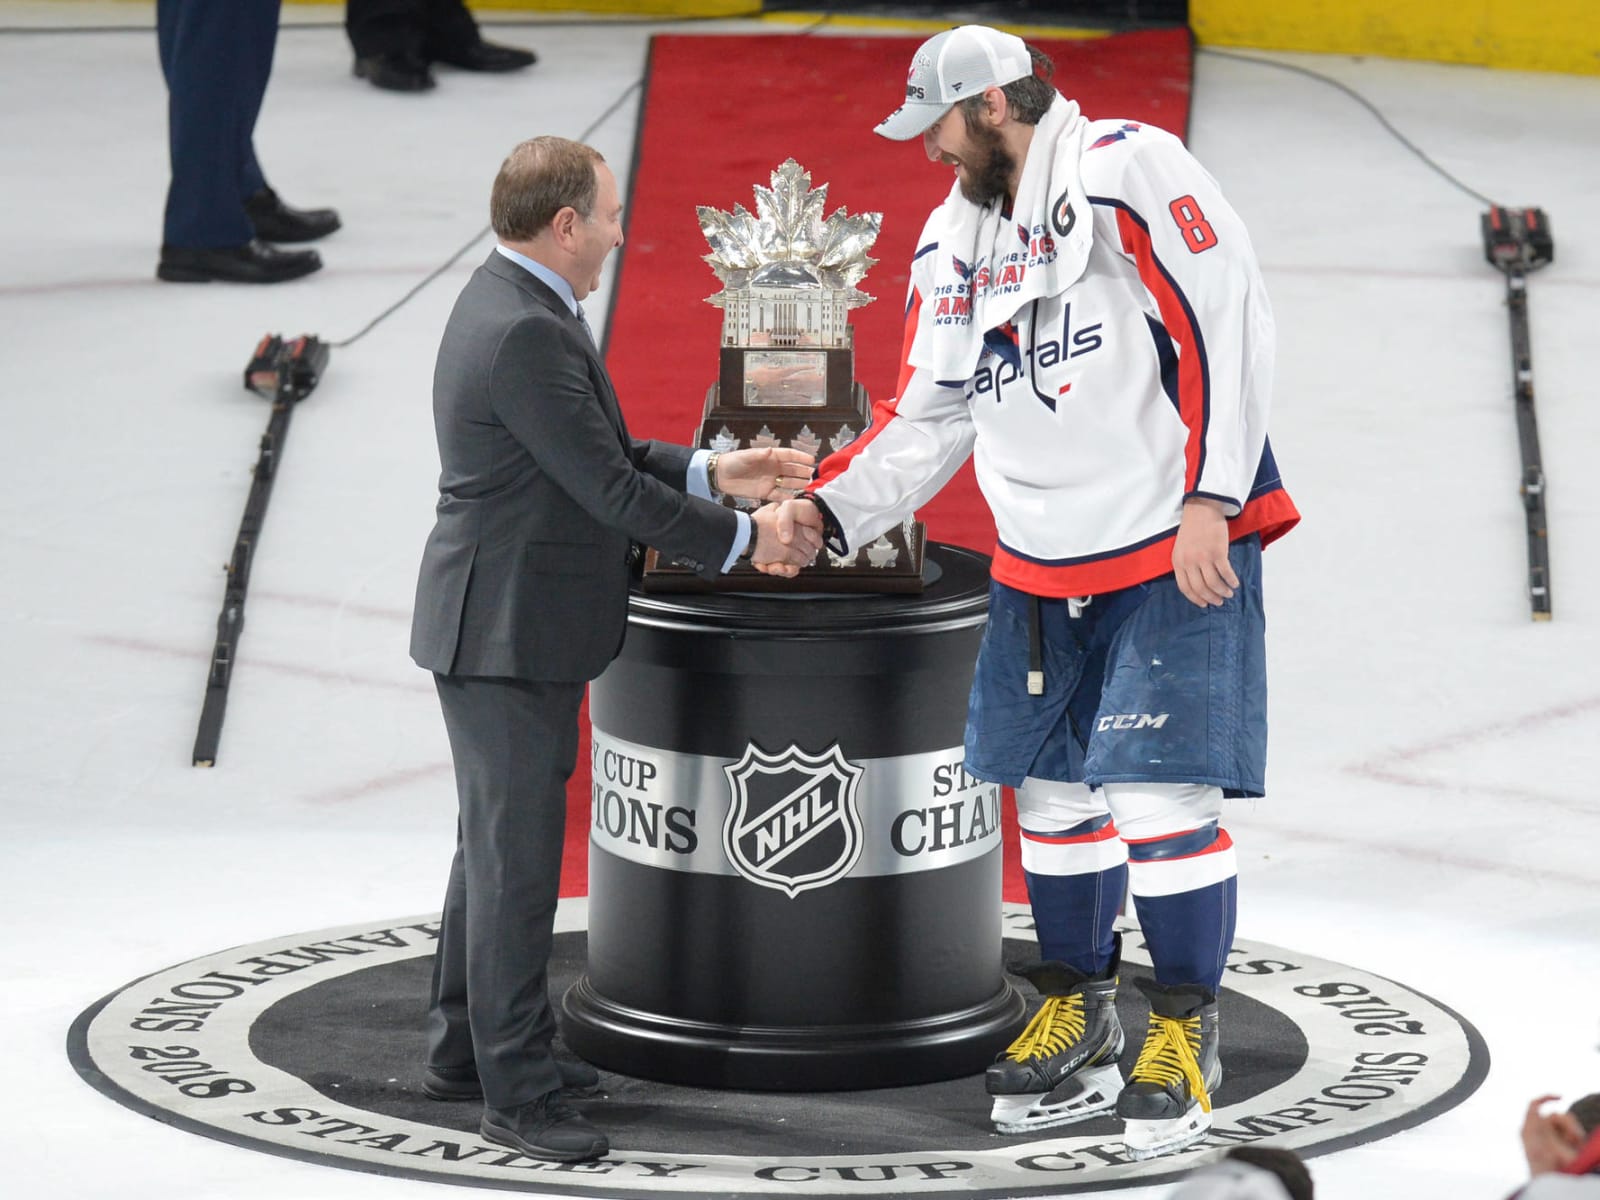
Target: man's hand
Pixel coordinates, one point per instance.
(798, 512)
(1200, 554)
(1550, 1140)
(770, 473)
(788, 537)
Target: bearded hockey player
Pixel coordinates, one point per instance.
(1086, 319)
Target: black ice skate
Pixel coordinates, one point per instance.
(1063, 1067)
(1167, 1103)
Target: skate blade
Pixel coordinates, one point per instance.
(1085, 1095)
(1148, 1139)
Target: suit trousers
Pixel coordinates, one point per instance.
(422, 29)
(515, 744)
(216, 57)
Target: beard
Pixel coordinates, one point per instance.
(988, 175)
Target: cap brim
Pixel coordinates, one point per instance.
(911, 120)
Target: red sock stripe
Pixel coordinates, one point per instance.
(1156, 877)
(1162, 838)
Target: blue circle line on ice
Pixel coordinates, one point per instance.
(175, 1045)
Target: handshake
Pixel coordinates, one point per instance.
(786, 534)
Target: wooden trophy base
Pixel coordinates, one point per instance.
(905, 546)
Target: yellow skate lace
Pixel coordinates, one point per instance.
(1169, 1056)
(1058, 1023)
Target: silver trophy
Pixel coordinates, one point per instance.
(788, 284)
(787, 362)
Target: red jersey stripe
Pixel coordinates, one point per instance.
(1179, 321)
(1271, 515)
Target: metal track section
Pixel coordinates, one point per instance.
(1517, 241)
(285, 372)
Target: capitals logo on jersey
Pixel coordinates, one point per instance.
(1003, 343)
(1051, 340)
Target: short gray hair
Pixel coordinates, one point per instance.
(539, 178)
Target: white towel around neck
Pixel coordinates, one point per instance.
(988, 265)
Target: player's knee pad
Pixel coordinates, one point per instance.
(1049, 804)
(1147, 813)
(1066, 829)
(1174, 841)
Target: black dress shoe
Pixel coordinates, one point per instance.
(253, 262)
(545, 1128)
(488, 56)
(275, 221)
(461, 1083)
(394, 72)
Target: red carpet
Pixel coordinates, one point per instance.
(720, 114)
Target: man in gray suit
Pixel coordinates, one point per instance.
(544, 501)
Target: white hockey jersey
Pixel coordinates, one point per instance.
(1093, 413)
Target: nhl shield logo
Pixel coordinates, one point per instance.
(792, 822)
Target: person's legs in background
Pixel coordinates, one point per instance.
(397, 41)
(451, 36)
(216, 59)
(386, 36)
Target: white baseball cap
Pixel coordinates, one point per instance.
(951, 66)
(1230, 1180)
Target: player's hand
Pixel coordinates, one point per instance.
(1550, 1140)
(784, 551)
(767, 473)
(1200, 554)
(797, 513)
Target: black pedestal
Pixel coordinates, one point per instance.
(792, 883)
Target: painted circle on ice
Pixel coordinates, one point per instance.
(1317, 1056)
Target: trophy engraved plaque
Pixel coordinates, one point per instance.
(786, 373)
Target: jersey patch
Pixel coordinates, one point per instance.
(1122, 131)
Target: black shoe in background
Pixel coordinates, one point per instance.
(253, 262)
(394, 72)
(451, 1083)
(546, 1128)
(488, 56)
(275, 221)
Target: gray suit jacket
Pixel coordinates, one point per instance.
(542, 494)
